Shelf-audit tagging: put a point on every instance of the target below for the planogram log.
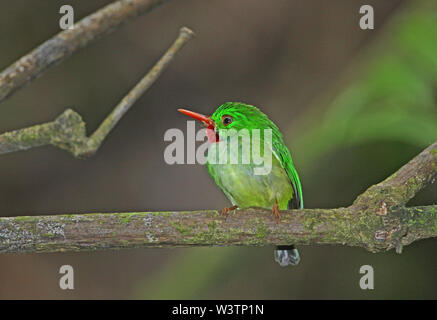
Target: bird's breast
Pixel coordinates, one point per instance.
(241, 183)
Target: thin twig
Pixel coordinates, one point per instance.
(374, 227)
(68, 130)
(68, 41)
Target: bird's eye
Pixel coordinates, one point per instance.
(227, 120)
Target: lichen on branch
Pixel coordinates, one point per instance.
(372, 222)
(68, 130)
(378, 220)
(65, 43)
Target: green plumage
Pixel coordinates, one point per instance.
(251, 164)
(239, 183)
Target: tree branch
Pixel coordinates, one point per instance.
(404, 184)
(65, 43)
(68, 130)
(378, 220)
(367, 223)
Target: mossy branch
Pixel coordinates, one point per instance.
(68, 130)
(377, 221)
(65, 43)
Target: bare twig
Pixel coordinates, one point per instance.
(67, 42)
(68, 130)
(374, 226)
(378, 220)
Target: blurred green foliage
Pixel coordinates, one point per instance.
(345, 134)
(392, 96)
(388, 105)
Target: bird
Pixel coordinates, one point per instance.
(279, 189)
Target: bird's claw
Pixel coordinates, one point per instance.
(225, 211)
(275, 212)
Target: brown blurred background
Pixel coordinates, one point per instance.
(353, 104)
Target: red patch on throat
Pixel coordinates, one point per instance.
(213, 137)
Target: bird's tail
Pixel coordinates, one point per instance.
(287, 256)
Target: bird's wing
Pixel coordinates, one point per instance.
(282, 153)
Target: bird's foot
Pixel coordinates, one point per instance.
(225, 211)
(275, 212)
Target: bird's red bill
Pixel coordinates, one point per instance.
(210, 125)
(206, 120)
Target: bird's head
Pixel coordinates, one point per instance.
(232, 115)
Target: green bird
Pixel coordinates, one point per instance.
(278, 189)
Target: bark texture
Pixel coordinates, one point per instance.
(65, 43)
(377, 221)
